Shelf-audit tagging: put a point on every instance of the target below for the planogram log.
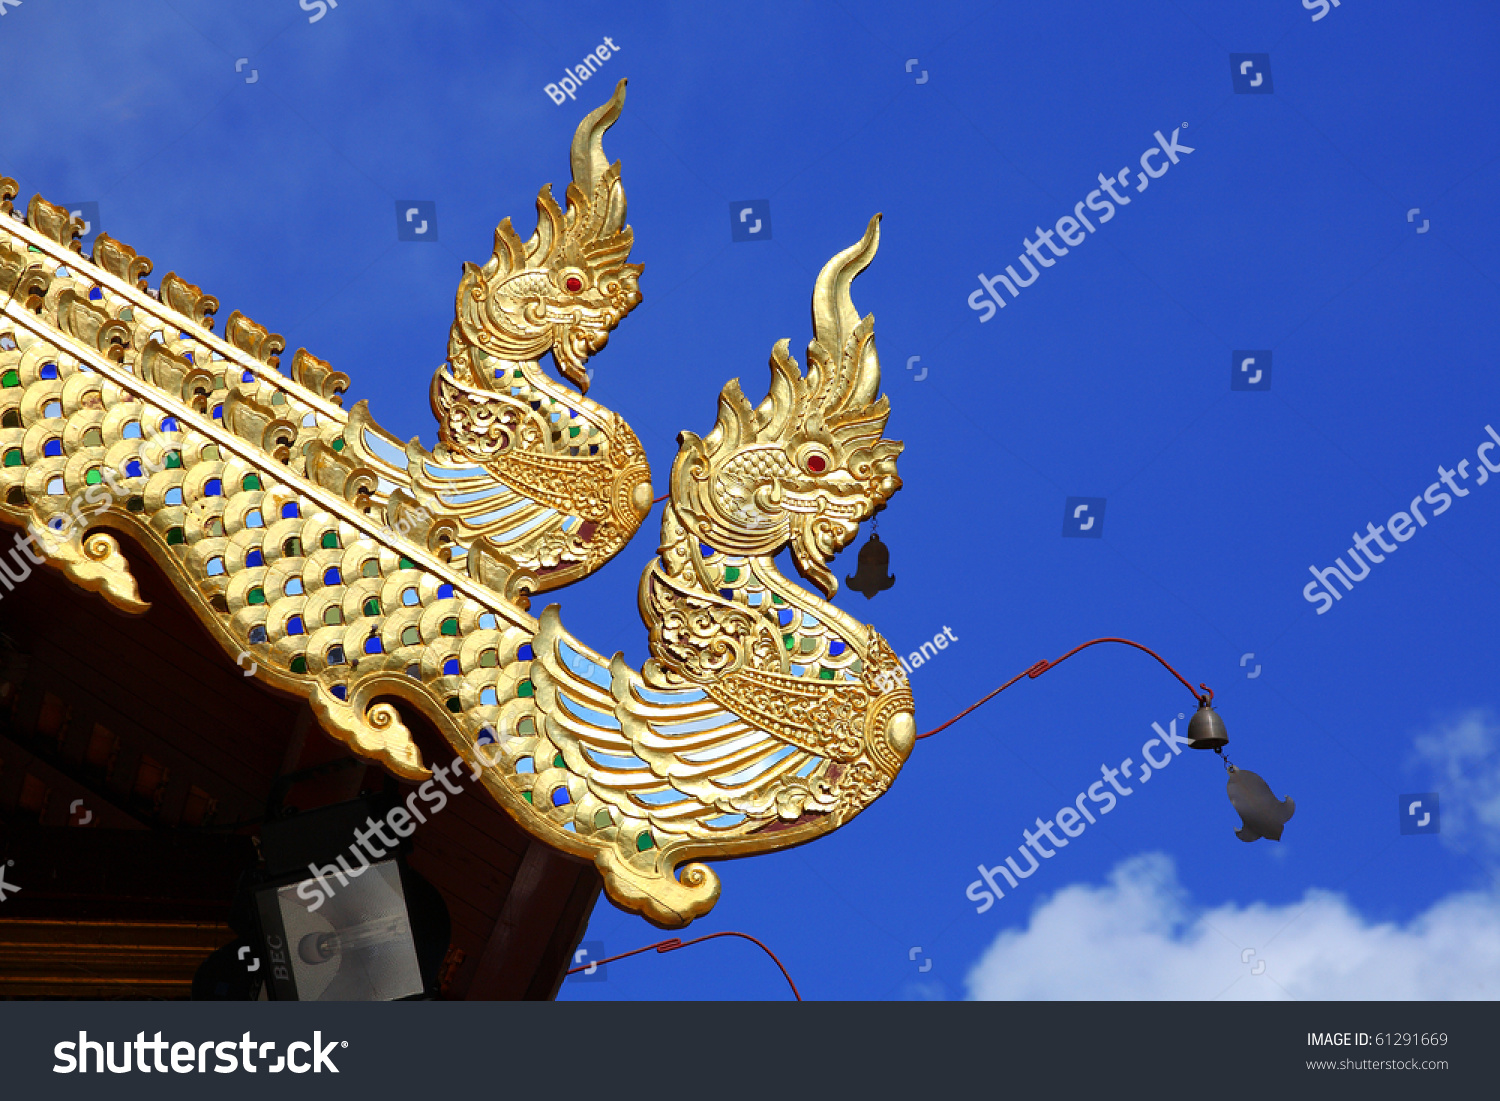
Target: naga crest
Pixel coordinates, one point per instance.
(566, 288)
(810, 463)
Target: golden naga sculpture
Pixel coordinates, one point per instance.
(365, 576)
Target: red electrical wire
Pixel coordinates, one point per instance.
(659, 500)
(674, 943)
(1042, 666)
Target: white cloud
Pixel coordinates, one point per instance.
(1138, 938)
(1464, 757)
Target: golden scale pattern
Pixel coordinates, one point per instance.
(295, 535)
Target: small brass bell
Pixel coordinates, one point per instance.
(871, 576)
(1206, 730)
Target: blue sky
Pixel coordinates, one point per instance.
(1286, 229)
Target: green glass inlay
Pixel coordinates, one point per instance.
(407, 564)
(13, 457)
(573, 431)
(525, 690)
(10, 378)
(525, 794)
(825, 674)
(790, 640)
(299, 664)
(520, 374)
(489, 659)
(411, 637)
(558, 762)
(526, 726)
(449, 626)
(174, 537)
(372, 606)
(601, 819)
(174, 460)
(256, 595)
(776, 599)
(252, 481)
(371, 568)
(338, 444)
(93, 477)
(136, 504)
(644, 842)
(454, 705)
(731, 574)
(330, 540)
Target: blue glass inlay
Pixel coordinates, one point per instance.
(49, 370)
(290, 511)
(215, 567)
(133, 468)
(339, 690)
(560, 797)
(253, 558)
(257, 634)
(708, 552)
(213, 488)
(294, 626)
(52, 448)
(248, 376)
(835, 647)
(450, 668)
(333, 577)
(727, 594)
(169, 424)
(525, 653)
(372, 645)
(787, 616)
(445, 592)
(95, 294)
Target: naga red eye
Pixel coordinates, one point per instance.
(573, 283)
(817, 464)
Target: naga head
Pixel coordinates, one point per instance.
(566, 288)
(810, 463)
